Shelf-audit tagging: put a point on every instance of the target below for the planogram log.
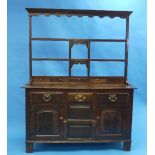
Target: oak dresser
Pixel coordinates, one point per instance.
(78, 109)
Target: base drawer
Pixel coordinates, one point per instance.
(79, 130)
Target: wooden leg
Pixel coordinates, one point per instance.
(29, 147)
(126, 146)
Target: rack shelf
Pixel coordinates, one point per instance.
(63, 59)
(79, 40)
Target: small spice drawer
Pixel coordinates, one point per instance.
(47, 97)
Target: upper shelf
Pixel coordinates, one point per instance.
(79, 13)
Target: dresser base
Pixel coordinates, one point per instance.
(78, 112)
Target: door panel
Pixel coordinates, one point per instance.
(110, 121)
(47, 121)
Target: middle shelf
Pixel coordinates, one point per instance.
(78, 52)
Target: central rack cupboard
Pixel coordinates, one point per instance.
(78, 109)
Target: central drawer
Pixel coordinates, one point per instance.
(80, 97)
(80, 106)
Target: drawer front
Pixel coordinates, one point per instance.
(118, 99)
(80, 105)
(47, 97)
(80, 97)
(79, 130)
(80, 111)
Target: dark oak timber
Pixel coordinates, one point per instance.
(78, 109)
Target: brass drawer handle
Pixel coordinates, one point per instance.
(112, 97)
(80, 98)
(47, 97)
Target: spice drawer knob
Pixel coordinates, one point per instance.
(47, 97)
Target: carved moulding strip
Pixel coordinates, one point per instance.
(81, 62)
(70, 15)
(75, 42)
(78, 13)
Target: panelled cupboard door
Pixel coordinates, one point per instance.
(46, 122)
(112, 122)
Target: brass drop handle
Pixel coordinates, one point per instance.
(80, 98)
(47, 97)
(112, 97)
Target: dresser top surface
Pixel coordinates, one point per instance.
(78, 83)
